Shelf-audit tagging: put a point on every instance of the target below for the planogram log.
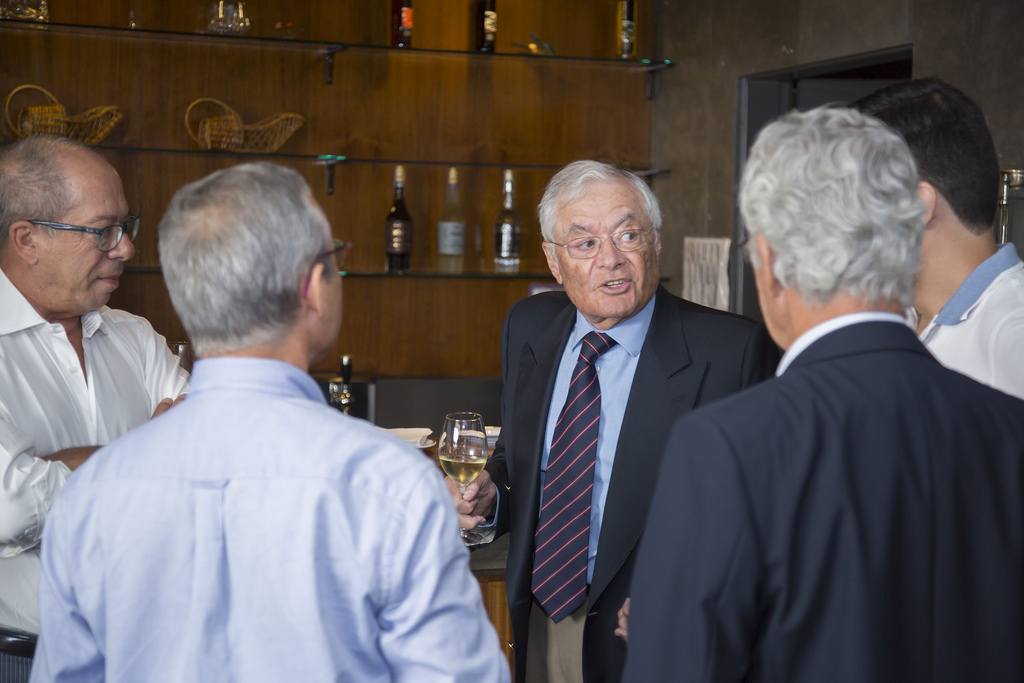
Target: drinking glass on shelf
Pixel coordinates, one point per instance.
(183, 350)
(228, 17)
(25, 10)
(462, 450)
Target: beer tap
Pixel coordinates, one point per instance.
(340, 388)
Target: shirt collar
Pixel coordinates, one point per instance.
(967, 295)
(92, 322)
(17, 314)
(266, 375)
(831, 325)
(629, 334)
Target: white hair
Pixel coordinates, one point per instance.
(235, 247)
(572, 181)
(834, 194)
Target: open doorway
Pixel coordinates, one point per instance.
(761, 98)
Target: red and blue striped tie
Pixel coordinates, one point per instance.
(562, 541)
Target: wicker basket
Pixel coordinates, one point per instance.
(227, 131)
(89, 127)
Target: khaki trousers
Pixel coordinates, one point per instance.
(554, 653)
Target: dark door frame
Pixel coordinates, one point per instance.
(761, 98)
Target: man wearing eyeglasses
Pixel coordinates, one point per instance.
(574, 502)
(74, 374)
(251, 533)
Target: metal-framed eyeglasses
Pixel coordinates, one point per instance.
(338, 251)
(590, 245)
(107, 238)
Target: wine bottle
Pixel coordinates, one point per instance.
(401, 23)
(398, 228)
(486, 25)
(626, 29)
(451, 229)
(508, 232)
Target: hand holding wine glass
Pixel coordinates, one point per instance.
(462, 450)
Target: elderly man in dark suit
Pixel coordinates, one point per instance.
(858, 518)
(575, 465)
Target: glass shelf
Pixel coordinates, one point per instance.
(411, 274)
(328, 48)
(422, 274)
(330, 160)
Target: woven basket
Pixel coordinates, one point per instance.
(228, 132)
(89, 127)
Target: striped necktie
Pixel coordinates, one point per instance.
(562, 540)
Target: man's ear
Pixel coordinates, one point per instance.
(765, 275)
(316, 290)
(928, 195)
(552, 257)
(21, 240)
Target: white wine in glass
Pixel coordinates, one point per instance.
(462, 450)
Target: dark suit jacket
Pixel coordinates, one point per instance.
(692, 355)
(860, 518)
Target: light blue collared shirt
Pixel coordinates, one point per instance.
(253, 533)
(615, 370)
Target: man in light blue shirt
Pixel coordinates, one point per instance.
(251, 533)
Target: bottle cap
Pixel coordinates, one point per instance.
(453, 176)
(399, 174)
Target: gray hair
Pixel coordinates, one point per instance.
(572, 181)
(235, 248)
(32, 181)
(834, 194)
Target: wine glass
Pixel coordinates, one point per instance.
(183, 350)
(462, 450)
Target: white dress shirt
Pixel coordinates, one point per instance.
(980, 331)
(46, 405)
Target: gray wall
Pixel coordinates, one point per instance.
(973, 44)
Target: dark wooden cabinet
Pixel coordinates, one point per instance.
(366, 108)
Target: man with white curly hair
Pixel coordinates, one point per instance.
(860, 517)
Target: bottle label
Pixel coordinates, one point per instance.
(399, 237)
(627, 32)
(407, 18)
(451, 238)
(506, 240)
(490, 23)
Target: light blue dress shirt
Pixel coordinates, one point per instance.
(615, 370)
(253, 533)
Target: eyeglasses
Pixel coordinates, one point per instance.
(339, 249)
(742, 246)
(108, 237)
(589, 246)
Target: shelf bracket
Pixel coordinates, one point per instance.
(649, 173)
(329, 62)
(328, 161)
(652, 69)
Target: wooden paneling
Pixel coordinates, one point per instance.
(492, 588)
(438, 327)
(426, 109)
